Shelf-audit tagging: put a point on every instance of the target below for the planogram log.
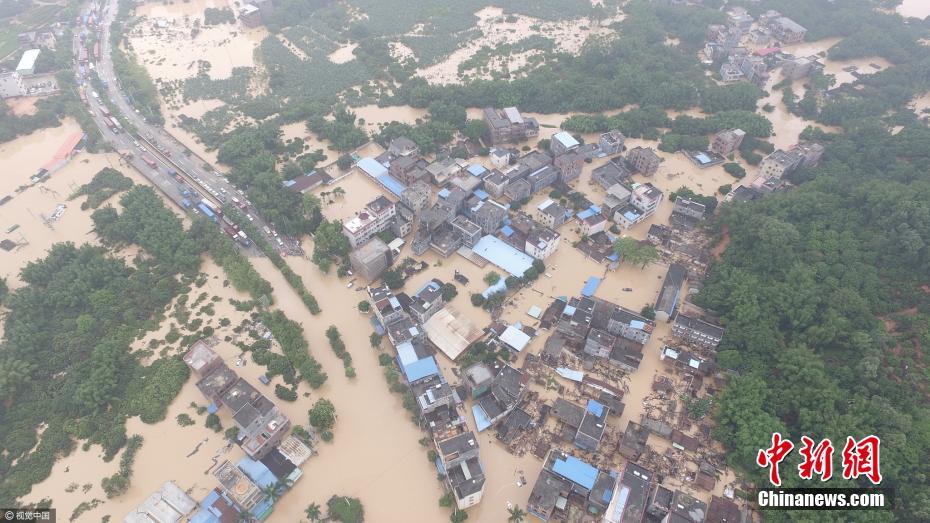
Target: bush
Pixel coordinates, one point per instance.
(345, 509)
(477, 299)
(364, 306)
(322, 414)
(648, 312)
(232, 434)
(725, 189)
(213, 422)
(385, 359)
(375, 340)
(734, 169)
(285, 393)
(492, 278)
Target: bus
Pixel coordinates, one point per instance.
(114, 124)
(211, 206)
(149, 161)
(104, 111)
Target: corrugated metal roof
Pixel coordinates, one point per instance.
(502, 255)
(371, 167)
(575, 470)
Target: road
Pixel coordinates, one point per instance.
(152, 140)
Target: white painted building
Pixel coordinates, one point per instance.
(11, 84)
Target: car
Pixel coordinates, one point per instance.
(281, 243)
(274, 233)
(249, 216)
(350, 284)
(136, 143)
(143, 149)
(627, 289)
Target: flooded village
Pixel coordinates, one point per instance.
(519, 317)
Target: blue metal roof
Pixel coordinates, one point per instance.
(637, 324)
(566, 139)
(481, 418)
(444, 193)
(500, 286)
(406, 354)
(507, 230)
(481, 195)
(371, 167)
(590, 287)
(502, 255)
(204, 516)
(595, 408)
(575, 470)
(421, 369)
(257, 472)
(391, 184)
(585, 214)
(476, 170)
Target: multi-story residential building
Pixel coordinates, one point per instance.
(646, 197)
(801, 67)
(384, 303)
(810, 153)
(403, 147)
(569, 166)
(403, 220)
(409, 170)
(495, 183)
(468, 230)
(563, 142)
(611, 142)
(518, 190)
(509, 125)
(441, 171)
(574, 322)
(738, 17)
(445, 240)
(550, 214)
(618, 196)
(593, 224)
(727, 142)
(542, 242)
(689, 208)
(730, 73)
(599, 343)
(542, 178)
(779, 163)
(566, 480)
(754, 69)
(500, 157)
(261, 425)
(630, 325)
(376, 217)
(667, 302)
(617, 170)
(371, 259)
(697, 331)
(460, 452)
(644, 160)
(489, 215)
(787, 31)
(417, 196)
(427, 301)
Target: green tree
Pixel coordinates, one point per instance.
(492, 278)
(313, 512)
(345, 509)
(515, 514)
(364, 306)
(322, 414)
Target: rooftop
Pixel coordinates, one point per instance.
(503, 256)
(28, 61)
(451, 332)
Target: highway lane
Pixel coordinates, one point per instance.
(159, 145)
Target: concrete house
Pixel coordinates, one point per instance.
(599, 343)
(667, 302)
(644, 160)
(500, 157)
(376, 217)
(563, 142)
(632, 495)
(371, 259)
(551, 214)
(169, 504)
(403, 147)
(779, 163)
(611, 142)
(617, 170)
(727, 142)
(697, 331)
(495, 182)
(261, 425)
(508, 125)
(542, 242)
(689, 208)
(566, 480)
(569, 166)
(787, 31)
(427, 301)
(630, 325)
(467, 230)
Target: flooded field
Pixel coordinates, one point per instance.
(374, 116)
(567, 35)
(168, 28)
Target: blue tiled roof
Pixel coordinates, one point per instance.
(575, 470)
